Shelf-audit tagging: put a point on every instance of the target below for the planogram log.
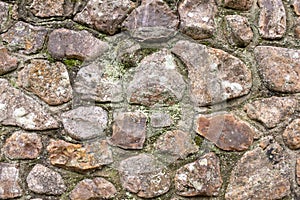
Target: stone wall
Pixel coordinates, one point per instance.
(120, 99)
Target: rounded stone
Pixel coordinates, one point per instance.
(291, 135)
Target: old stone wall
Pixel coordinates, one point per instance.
(151, 99)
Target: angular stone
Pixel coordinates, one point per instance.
(7, 11)
(271, 111)
(84, 123)
(7, 62)
(79, 157)
(18, 109)
(49, 81)
(9, 181)
(129, 130)
(279, 68)
(105, 15)
(298, 171)
(97, 188)
(296, 5)
(199, 178)
(144, 175)
(174, 145)
(156, 81)
(43, 180)
(291, 135)
(272, 19)
(160, 120)
(23, 145)
(197, 18)
(25, 38)
(94, 83)
(239, 5)
(151, 13)
(214, 75)
(225, 131)
(239, 31)
(82, 45)
(259, 174)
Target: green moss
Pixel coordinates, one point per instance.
(70, 63)
(175, 111)
(132, 59)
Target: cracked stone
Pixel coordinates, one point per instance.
(291, 135)
(239, 5)
(225, 131)
(199, 178)
(214, 75)
(49, 81)
(8, 62)
(197, 18)
(9, 181)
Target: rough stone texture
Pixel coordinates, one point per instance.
(225, 131)
(156, 81)
(8, 63)
(79, 157)
(151, 13)
(296, 5)
(7, 12)
(49, 81)
(105, 15)
(259, 175)
(271, 111)
(97, 188)
(298, 171)
(82, 45)
(94, 83)
(160, 120)
(18, 109)
(279, 68)
(23, 145)
(297, 29)
(145, 176)
(197, 18)
(291, 135)
(272, 19)
(174, 145)
(129, 130)
(214, 75)
(202, 177)
(84, 123)
(9, 181)
(43, 180)
(25, 38)
(239, 31)
(239, 5)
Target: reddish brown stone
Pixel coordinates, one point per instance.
(298, 171)
(291, 135)
(296, 5)
(79, 157)
(239, 5)
(200, 178)
(297, 29)
(271, 111)
(7, 62)
(129, 130)
(22, 145)
(225, 131)
(197, 18)
(9, 181)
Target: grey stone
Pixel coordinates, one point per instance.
(8, 62)
(291, 135)
(9, 181)
(8, 12)
(160, 120)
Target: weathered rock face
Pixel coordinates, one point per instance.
(9, 181)
(160, 120)
(93, 83)
(272, 19)
(298, 171)
(105, 16)
(49, 81)
(199, 178)
(271, 111)
(225, 131)
(25, 38)
(151, 13)
(238, 30)
(22, 145)
(144, 176)
(21, 110)
(214, 75)
(129, 130)
(7, 62)
(156, 81)
(79, 157)
(97, 188)
(291, 135)
(296, 5)
(7, 11)
(258, 175)
(197, 18)
(239, 5)
(279, 68)
(82, 45)
(43, 180)
(84, 123)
